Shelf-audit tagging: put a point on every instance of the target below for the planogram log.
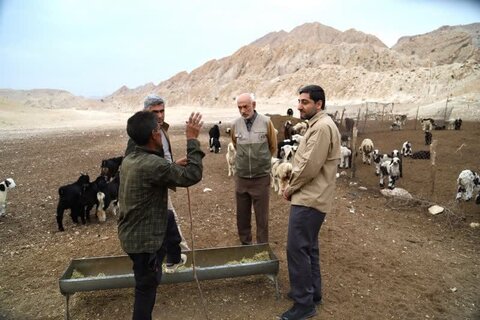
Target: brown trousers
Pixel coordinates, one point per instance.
(256, 192)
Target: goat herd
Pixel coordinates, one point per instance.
(81, 196)
(387, 165)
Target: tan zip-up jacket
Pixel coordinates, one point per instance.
(315, 165)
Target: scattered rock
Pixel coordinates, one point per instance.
(474, 224)
(435, 209)
(363, 188)
(397, 192)
(207, 190)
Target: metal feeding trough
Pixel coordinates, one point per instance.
(101, 273)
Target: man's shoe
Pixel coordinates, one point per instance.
(172, 267)
(299, 312)
(316, 301)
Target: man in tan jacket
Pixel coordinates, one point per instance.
(311, 191)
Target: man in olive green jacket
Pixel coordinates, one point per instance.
(144, 229)
(255, 141)
(311, 192)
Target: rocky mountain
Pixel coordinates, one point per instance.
(352, 66)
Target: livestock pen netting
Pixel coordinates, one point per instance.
(429, 181)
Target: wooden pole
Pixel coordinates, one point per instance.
(416, 118)
(354, 149)
(358, 116)
(433, 155)
(365, 120)
(383, 112)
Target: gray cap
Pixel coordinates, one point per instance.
(152, 100)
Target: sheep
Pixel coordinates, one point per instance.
(406, 149)
(231, 154)
(345, 157)
(5, 185)
(366, 149)
(391, 169)
(70, 197)
(467, 182)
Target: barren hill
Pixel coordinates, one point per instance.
(353, 67)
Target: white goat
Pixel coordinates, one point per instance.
(300, 128)
(467, 182)
(4, 186)
(345, 157)
(231, 154)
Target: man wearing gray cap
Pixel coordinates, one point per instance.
(156, 104)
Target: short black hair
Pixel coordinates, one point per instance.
(316, 93)
(140, 126)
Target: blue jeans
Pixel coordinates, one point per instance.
(303, 254)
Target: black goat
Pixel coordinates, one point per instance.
(214, 139)
(109, 167)
(70, 197)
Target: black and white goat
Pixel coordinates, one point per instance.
(406, 149)
(468, 182)
(379, 158)
(293, 141)
(5, 185)
(392, 170)
(106, 196)
(71, 197)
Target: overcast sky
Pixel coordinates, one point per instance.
(92, 48)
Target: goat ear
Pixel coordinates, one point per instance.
(2, 187)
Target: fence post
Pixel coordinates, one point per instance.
(354, 148)
(416, 118)
(433, 154)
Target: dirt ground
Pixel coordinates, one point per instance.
(381, 259)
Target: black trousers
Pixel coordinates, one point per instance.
(147, 270)
(303, 254)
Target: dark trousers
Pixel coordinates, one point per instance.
(147, 270)
(256, 192)
(303, 254)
